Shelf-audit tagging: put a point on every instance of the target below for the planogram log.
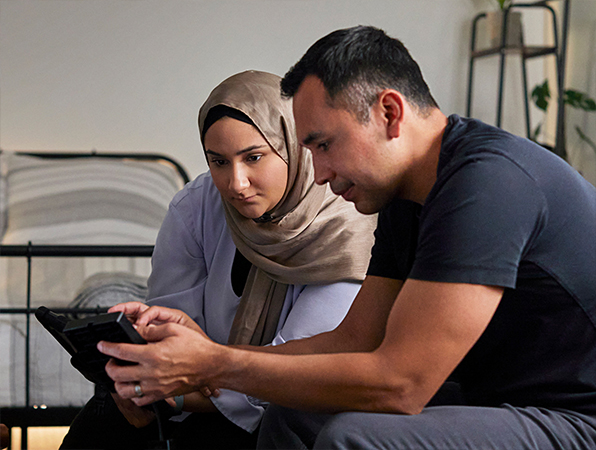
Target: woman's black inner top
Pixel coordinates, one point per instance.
(240, 268)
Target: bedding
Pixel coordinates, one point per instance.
(71, 201)
(103, 290)
(3, 195)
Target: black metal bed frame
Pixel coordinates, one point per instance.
(34, 415)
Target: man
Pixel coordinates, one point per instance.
(496, 240)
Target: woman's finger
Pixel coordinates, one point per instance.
(131, 309)
(159, 332)
(205, 391)
(158, 315)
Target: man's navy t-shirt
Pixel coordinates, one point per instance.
(506, 212)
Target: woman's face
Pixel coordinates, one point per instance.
(244, 167)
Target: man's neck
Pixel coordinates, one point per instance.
(427, 135)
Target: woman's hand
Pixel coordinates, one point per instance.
(136, 416)
(132, 310)
(207, 392)
(196, 402)
(142, 315)
(159, 315)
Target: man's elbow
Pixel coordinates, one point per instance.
(401, 400)
(401, 395)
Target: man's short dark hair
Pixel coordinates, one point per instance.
(355, 64)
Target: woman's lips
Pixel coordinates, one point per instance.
(246, 199)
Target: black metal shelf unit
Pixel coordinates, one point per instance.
(558, 50)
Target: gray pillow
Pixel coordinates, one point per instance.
(103, 290)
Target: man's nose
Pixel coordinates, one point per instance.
(323, 173)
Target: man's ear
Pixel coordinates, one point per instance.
(391, 105)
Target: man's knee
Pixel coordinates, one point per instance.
(289, 428)
(369, 430)
(342, 431)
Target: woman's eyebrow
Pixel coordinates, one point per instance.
(239, 152)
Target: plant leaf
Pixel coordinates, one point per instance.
(536, 132)
(541, 95)
(579, 100)
(585, 138)
(589, 104)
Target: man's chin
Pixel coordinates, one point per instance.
(364, 207)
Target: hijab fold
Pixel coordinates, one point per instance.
(311, 236)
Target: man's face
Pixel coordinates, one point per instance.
(354, 158)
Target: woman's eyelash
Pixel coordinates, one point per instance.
(223, 162)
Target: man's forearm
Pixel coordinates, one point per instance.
(322, 383)
(329, 342)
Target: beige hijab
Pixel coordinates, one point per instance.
(311, 236)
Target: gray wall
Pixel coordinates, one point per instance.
(130, 75)
(581, 75)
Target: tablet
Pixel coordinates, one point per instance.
(79, 337)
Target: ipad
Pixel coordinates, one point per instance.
(79, 337)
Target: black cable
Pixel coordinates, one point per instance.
(160, 432)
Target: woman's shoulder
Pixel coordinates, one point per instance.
(200, 192)
(198, 205)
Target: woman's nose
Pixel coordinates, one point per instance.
(239, 179)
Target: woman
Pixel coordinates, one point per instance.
(250, 251)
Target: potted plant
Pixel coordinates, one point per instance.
(571, 97)
(495, 21)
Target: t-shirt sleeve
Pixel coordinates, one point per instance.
(395, 240)
(478, 222)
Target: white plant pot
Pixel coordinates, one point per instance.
(494, 23)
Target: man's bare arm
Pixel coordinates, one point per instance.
(430, 329)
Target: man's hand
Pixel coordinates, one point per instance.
(176, 360)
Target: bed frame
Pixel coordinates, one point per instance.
(34, 415)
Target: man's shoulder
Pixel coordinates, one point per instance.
(470, 141)
(466, 139)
